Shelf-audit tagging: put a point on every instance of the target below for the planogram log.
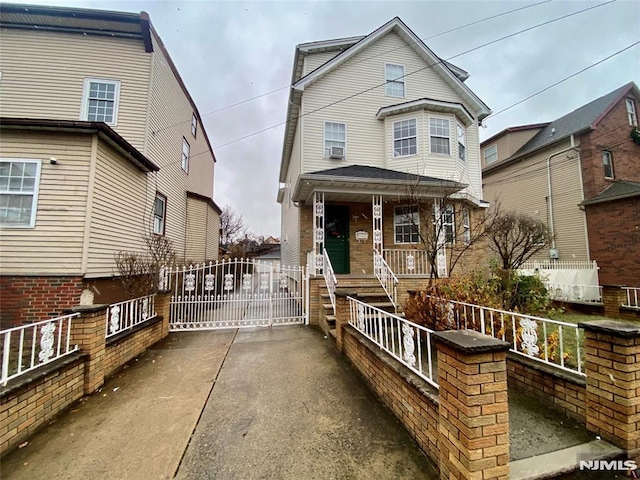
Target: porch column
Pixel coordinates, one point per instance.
(441, 256)
(318, 231)
(377, 226)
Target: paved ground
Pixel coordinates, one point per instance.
(248, 404)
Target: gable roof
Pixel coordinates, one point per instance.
(454, 76)
(580, 120)
(618, 190)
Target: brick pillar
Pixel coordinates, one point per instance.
(473, 410)
(162, 304)
(314, 300)
(88, 332)
(612, 297)
(343, 313)
(613, 382)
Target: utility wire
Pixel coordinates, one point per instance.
(363, 60)
(408, 74)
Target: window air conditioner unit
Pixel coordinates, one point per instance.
(337, 153)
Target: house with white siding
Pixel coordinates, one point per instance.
(101, 145)
(373, 121)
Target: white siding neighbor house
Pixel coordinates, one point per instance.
(102, 145)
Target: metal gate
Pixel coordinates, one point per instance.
(236, 293)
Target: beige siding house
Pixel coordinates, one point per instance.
(371, 118)
(580, 174)
(82, 93)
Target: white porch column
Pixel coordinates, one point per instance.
(318, 231)
(376, 201)
(441, 257)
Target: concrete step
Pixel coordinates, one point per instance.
(331, 319)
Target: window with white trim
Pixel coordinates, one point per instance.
(185, 155)
(448, 224)
(194, 124)
(607, 163)
(100, 102)
(405, 140)
(19, 182)
(631, 111)
(466, 225)
(490, 154)
(394, 76)
(335, 135)
(159, 214)
(439, 136)
(462, 142)
(406, 224)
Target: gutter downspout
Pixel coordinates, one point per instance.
(551, 224)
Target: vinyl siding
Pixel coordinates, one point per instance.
(367, 143)
(315, 60)
(290, 214)
(213, 234)
(43, 75)
(54, 246)
(196, 230)
(510, 143)
(170, 115)
(121, 211)
(522, 187)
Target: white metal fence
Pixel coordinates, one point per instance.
(28, 347)
(559, 265)
(544, 340)
(407, 342)
(386, 277)
(567, 292)
(329, 278)
(125, 315)
(405, 262)
(633, 297)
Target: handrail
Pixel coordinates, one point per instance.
(386, 277)
(633, 297)
(329, 278)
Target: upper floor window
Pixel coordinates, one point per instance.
(490, 154)
(335, 135)
(439, 136)
(394, 76)
(462, 142)
(159, 214)
(406, 222)
(194, 125)
(19, 181)
(631, 111)
(185, 155)
(607, 163)
(405, 138)
(100, 103)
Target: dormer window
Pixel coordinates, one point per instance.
(490, 154)
(394, 76)
(631, 111)
(194, 125)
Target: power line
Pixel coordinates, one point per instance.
(363, 60)
(408, 74)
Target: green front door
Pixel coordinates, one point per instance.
(336, 237)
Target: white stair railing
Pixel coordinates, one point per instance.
(386, 277)
(329, 278)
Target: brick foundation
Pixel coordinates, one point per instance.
(28, 299)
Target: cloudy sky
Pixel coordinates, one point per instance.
(228, 52)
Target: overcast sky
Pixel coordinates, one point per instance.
(229, 51)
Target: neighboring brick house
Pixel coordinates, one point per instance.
(581, 175)
(369, 118)
(101, 145)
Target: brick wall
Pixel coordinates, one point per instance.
(412, 400)
(614, 244)
(123, 349)
(35, 402)
(562, 391)
(28, 299)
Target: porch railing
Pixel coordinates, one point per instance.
(125, 315)
(407, 262)
(28, 347)
(407, 342)
(633, 297)
(386, 277)
(329, 278)
(569, 292)
(559, 346)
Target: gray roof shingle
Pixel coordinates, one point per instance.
(376, 173)
(618, 190)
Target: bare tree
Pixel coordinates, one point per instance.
(452, 225)
(516, 237)
(232, 227)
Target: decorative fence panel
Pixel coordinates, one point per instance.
(405, 262)
(28, 347)
(125, 315)
(566, 292)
